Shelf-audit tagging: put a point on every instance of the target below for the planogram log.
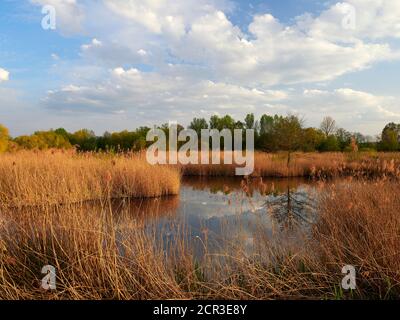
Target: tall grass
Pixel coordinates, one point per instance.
(103, 254)
(360, 226)
(96, 255)
(106, 252)
(45, 178)
(318, 165)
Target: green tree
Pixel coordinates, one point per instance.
(214, 122)
(43, 140)
(198, 124)
(240, 125)
(124, 140)
(312, 139)
(390, 138)
(4, 138)
(62, 132)
(250, 121)
(84, 139)
(360, 138)
(264, 139)
(343, 137)
(390, 141)
(266, 124)
(31, 142)
(330, 144)
(226, 122)
(287, 135)
(50, 139)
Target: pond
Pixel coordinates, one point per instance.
(209, 216)
(211, 212)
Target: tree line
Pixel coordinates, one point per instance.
(272, 133)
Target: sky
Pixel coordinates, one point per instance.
(111, 65)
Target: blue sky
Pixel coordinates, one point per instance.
(113, 64)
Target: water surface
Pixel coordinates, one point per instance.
(210, 212)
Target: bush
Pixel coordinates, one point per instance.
(4, 138)
(330, 144)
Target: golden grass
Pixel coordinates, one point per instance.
(100, 252)
(99, 255)
(45, 178)
(318, 165)
(360, 226)
(96, 255)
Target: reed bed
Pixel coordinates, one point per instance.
(315, 165)
(96, 255)
(359, 225)
(47, 178)
(104, 254)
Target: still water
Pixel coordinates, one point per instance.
(211, 212)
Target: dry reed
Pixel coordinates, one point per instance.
(45, 178)
(104, 254)
(360, 226)
(316, 165)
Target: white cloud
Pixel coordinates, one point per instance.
(158, 98)
(142, 52)
(132, 90)
(55, 56)
(201, 60)
(355, 110)
(197, 34)
(162, 16)
(70, 14)
(4, 75)
(114, 53)
(373, 19)
(274, 55)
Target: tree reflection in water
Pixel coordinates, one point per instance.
(292, 209)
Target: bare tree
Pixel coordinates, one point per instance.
(328, 126)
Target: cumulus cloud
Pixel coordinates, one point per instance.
(70, 14)
(144, 91)
(359, 110)
(4, 75)
(355, 19)
(200, 61)
(164, 17)
(158, 98)
(275, 54)
(198, 33)
(111, 52)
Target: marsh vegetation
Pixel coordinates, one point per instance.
(90, 216)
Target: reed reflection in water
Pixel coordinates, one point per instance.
(214, 214)
(210, 215)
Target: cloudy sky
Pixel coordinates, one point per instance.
(118, 64)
